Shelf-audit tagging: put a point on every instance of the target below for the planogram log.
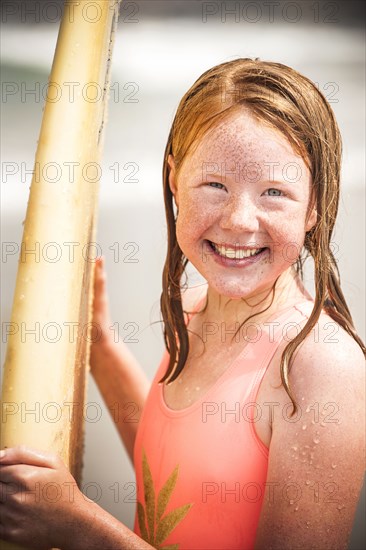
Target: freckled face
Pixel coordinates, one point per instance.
(246, 187)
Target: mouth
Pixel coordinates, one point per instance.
(236, 255)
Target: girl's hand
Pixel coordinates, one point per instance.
(39, 499)
(101, 315)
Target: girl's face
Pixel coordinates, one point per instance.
(243, 198)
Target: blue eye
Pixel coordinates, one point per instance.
(214, 183)
(274, 192)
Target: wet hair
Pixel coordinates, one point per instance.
(281, 97)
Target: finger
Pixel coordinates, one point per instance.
(100, 276)
(17, 473)
(100, 263)
(8, 489)
(27, 455)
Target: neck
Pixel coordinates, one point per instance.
(289, 290)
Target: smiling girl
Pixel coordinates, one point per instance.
(251, 434)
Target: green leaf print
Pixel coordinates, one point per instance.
(165, 493)
(141, 518)
(149, 495)
(171, 520)
(153, 527)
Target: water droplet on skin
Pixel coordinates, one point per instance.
(307, 482)
(304, 427)
(307, 408)
(197, 388)
(296, 509)
(323, 424)
(307, 524)
(291, 501)
(334, 466)
(302, 399)
(294, 448)
(21, 297)
(316, 440)
(340, 507)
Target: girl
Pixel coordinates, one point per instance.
(251, 433)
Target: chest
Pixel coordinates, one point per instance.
(205, 366)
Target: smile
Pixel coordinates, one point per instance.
(235, 252)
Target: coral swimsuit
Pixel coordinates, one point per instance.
(201, 471)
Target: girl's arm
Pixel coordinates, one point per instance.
(316, 458)
(124, 387)
(42, 507)
(121, 380)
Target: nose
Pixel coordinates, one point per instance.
(240, 214)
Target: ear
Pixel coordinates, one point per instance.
(172, 179)
(312, 219)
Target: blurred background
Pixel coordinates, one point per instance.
(161, 48)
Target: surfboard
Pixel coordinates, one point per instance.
(50, 329)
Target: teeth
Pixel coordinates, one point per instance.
(235, 253)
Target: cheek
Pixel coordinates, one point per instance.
(194, 217)
(288, 234)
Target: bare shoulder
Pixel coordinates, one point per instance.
(329, 363)
(316, 456)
